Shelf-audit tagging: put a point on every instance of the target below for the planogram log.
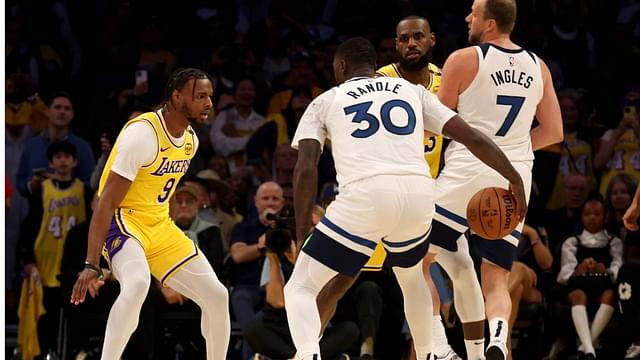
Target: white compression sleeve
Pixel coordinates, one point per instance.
(198, 282)
(417, 307)
(132, 271)
(467, 294)
(300, 293)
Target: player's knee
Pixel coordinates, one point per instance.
(457, 264)
(135, 289)
(215, 294)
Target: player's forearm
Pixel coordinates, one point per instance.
(489, 153)
(542, 137)
(305, 184)
(636, 198)
(98, 230)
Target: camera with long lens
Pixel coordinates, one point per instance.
(279, 237)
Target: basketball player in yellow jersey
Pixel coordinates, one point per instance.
(151, 154)
(414, 41)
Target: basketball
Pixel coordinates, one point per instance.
(491, 213)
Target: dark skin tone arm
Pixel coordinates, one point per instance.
(305, 183)
(484, 149)
(488, 152)
(114, 192)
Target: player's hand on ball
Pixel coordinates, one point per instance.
(521, 200)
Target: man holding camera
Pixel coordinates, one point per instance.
(269, 336)
(247, 246)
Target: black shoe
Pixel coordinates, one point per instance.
(494, 353)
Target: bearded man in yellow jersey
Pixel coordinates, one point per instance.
(414, 40)
(151, 154)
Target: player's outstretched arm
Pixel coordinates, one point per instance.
(549, 130)
(305, 183)
(488, 152)
(630, 217)
(114, 191)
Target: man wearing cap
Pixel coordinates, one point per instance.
(218, 189)
(184, 212)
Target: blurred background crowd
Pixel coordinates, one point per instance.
(77, 71)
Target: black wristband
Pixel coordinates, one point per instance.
(97, 270)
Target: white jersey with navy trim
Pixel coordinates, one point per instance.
(501, 101)
(376, 126)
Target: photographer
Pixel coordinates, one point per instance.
(269, 336)
(247, 248)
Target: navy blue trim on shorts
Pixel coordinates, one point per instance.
(409, 258)
(406, 243)
(444, 236)
(516, 234)
(451, 216)
(499, 252)
(333, 254)
(356, 239)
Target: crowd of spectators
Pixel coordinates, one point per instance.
(76, 72)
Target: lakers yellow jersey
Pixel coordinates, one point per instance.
(432, 143)
(155, 183)
(62, 209)
(625, 158)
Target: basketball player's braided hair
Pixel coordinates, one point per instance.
(180, 77)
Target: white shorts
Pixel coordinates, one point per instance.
(394, 209)
(455, 186)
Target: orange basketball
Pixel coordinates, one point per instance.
(491, 213)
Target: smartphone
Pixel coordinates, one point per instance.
(141, 77)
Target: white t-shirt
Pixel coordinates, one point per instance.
(376, 126)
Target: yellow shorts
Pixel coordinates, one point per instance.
(165, 246)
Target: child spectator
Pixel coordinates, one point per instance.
(60, 203)
(590, 263)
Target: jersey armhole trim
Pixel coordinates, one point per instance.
(157, 148)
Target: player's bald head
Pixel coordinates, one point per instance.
(411, 18)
